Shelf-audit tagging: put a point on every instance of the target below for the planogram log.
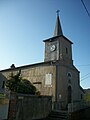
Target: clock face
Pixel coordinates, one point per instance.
(52, 48)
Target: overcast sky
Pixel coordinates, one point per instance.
(24, 24)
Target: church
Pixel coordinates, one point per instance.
(56, 76)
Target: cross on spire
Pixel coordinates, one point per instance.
(58, 28)
(57, 12)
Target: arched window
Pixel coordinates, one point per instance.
(69, 74)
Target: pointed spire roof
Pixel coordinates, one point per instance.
(58, 29)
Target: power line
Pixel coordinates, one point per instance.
(84, 78)
(85, 8)
(85, 75)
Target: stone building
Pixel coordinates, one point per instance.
(56, 76)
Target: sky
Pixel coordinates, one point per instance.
(24, 24)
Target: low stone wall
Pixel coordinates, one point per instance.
(28, 107)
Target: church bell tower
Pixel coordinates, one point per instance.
(58, 48)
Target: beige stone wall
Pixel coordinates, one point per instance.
(37, 76)
(64, 81)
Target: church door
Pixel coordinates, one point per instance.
(69, 94)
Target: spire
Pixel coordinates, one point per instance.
(58, 29)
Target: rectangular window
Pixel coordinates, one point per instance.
(48, 80)
(3, 85)
(66, 51)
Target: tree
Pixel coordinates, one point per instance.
(19, 85)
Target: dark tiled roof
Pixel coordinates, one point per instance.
(27, 66)
(53, 39)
